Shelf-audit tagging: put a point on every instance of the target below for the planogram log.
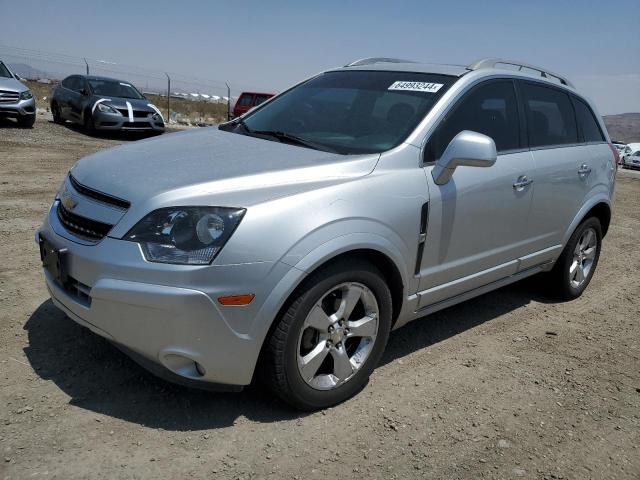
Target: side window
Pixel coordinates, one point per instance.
(587, 122)
(550, 117)
(490, 109)
(246, 100)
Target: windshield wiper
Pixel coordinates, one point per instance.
(288, 138)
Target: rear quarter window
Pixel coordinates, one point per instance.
(550, 117)
(587, 124)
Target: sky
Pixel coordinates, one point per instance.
(272, 45)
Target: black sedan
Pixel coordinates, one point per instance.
(101, 103)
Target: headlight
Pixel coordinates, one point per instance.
(108, 109)
(185, 235)
(26, 95)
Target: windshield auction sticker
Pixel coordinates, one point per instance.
(426, 87)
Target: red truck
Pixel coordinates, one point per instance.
(247, 100)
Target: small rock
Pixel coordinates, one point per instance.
(519, 472)
(483, 460)
(502, 443)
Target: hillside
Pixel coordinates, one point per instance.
(624, 127)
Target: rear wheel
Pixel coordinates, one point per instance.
(574, 269)
(55, 111)
(330, 338)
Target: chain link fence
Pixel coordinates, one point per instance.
(185, 99)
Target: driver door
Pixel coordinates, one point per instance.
(477, 222)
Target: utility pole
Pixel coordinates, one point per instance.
(168, 97)
(228, 101)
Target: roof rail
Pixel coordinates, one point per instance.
(374, 60)
(492, 62)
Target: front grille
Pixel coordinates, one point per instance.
(97, 195)
(82, 226)
(9, 97)
(136, 113)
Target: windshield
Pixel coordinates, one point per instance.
(4, 71)
(114, 88)
(349, 112)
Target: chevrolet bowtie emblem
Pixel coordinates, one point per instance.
(68, 201)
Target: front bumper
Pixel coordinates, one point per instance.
(167, 314)
(107, 121)
(21, 108)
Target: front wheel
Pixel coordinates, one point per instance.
(89, 127)
(27, 121)
(574, 269)
(328, 341)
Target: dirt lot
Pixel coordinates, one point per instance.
(508, 385)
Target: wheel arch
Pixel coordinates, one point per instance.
(602, 211)
(382, 260)
(600, 208)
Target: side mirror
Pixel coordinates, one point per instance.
(467, 148)
(84, 92)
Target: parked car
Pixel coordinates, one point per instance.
(16, 100)
(100, 103)
(247, 100)
(620, 146)
(627, 157)
(292, 240)
(631, 156)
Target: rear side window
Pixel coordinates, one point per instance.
(490, 109)
(245, 100)
(587, 124)
(261, 99)
(69, 83)
(550, 117)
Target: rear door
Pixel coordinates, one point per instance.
(63, 96)
(559, 156)
(477, 222)
(78, 98)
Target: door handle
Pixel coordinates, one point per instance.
(584, 170)
(522, 182)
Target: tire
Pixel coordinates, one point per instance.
(568, 278)
(286, 349)
(89, 128)
(26, 121)
(55, 111)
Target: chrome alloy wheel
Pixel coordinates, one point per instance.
(337, 335)
(583, 257)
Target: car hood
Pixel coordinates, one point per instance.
(197, 164)
(118, 102)
(12, 84)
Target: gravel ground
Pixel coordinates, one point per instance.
(508, 385)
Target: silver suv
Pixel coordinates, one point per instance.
(16, 100)
(292, 240)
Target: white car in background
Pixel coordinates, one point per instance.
(631, 156)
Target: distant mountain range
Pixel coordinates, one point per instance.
(624, 127)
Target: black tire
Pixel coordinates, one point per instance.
(89, 127)
(560, 276)
(55, 111)
(26, 121)
(278, 367)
